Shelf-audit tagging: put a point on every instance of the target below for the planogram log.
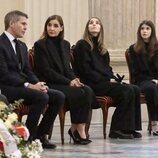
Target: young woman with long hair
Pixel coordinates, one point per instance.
(92, 65)
(144, 65)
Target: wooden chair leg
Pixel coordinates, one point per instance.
(88, 123)
(62, 122)
(105, 115)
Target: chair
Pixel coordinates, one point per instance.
(105, 102)
(21, 110)
(132, 81)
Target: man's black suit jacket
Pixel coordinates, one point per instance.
(10, 73)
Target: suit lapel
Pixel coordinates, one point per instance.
(64, 56)
(10, 48)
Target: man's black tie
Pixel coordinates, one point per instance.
(18, 54)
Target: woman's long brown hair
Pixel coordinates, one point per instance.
(139, 47)
(53, 17)
(88, 37)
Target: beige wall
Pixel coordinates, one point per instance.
(74, 13)
(6, 6)
(121, 19)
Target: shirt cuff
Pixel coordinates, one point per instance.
(26, 84)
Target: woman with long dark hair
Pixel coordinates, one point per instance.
(144, 65)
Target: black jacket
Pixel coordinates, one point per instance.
(48, 65)
(143, 69)
(90, 65)
(10, 73)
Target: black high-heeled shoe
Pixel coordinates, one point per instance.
(154, 133)
(80, 140)
(72, 136)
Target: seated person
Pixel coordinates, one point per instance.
(144, 66)
(92, 64)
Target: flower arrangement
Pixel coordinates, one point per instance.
(14, 136)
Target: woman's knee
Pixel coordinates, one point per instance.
(151, 89)
(136, 89)
(128, 91)
(88, 90)
(56, 96)
(60, 96)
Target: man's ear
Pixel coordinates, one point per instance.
(11, 23)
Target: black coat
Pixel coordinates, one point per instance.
(143, 69)
(54, 68)
(93, 69)
(10, 73)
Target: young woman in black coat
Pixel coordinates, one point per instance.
(144, 65)
(52, 65)
(92, 63)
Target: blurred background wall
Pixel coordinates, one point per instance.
(120, 19)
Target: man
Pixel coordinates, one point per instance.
(17, 80)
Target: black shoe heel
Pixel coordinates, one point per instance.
(154, 133)
(72, 136)
(80, 140)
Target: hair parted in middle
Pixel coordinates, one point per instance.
(88, 37)
(53, 17)
(152, 44)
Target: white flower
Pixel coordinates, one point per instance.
(33, 154)
(20, 133)
(16, 154)
(8, 124)
(2, 105)
(17, 139)
(38, 145)
(12, 117)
